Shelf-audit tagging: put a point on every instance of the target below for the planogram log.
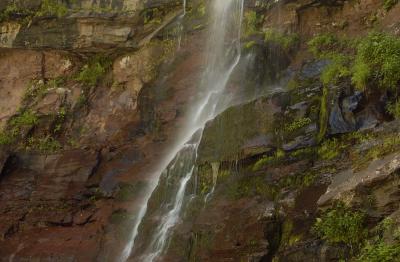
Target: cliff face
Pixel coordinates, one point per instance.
(93, 93)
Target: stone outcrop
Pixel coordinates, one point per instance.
(92, 98)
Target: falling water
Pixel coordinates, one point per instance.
(147, 243)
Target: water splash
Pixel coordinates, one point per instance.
(223, 55)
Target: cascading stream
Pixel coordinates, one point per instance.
(152, 228)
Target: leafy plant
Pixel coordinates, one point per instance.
(26, 118)
(96, 67)
(45, 145)
(6, 138)
(250, 23)
(330, 149)
(52, 8)
(321, 44)
(338, 68)
(379, 252)
(297, 124)
(340, 225)
(269, 160)
(377, 59)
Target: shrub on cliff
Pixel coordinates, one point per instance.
(95, 68)
(377, 61)
(340, 225)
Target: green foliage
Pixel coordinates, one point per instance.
(250, 187)
(6, 138)
(250, 23)
(297, 124)
(376, 249)
(96, 67)
(59, 119)
(379, 252)
(323, 114)
(388, 4)
(13, 9)
(298, 180)
(377, 59)
(327, 46)
(249, 44)
(330, 149)
(44, 145)
(321, 44)
(25, 119)
(37, 89)
(394, 109)
(152, 16)
(340, 225)
(389, 145)
(47, 8)
(286, 41)
(52, 8)
(336, 69)
(269, 160)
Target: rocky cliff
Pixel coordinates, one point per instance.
(93, 93)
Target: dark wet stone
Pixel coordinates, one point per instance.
(311, 70)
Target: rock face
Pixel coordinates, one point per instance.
(92, 96)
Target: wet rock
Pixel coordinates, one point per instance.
(83, 216)
(250, 121)
(313, 69)
(48, 177)
(300, 142)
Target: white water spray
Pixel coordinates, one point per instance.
(223, 55)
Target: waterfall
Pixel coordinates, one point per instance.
(152, 228)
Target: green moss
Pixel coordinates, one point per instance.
(337, 69)
(321, 44)
(388, 4)
(340, 225)
(249, 45)
(269, 160)
(6, 138)
(286, 41)
(44, 145)
(298, 181)
(16, 10)
(25, 119)
(377, 249)
(377, 61)
(330, 149)
(52, 8)
(251, 20)
(323, 115)
(250, 187)
(152, 16)
(297, 124)
(380, 252)
(59, 119)
(394, 109)
(287, 229)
